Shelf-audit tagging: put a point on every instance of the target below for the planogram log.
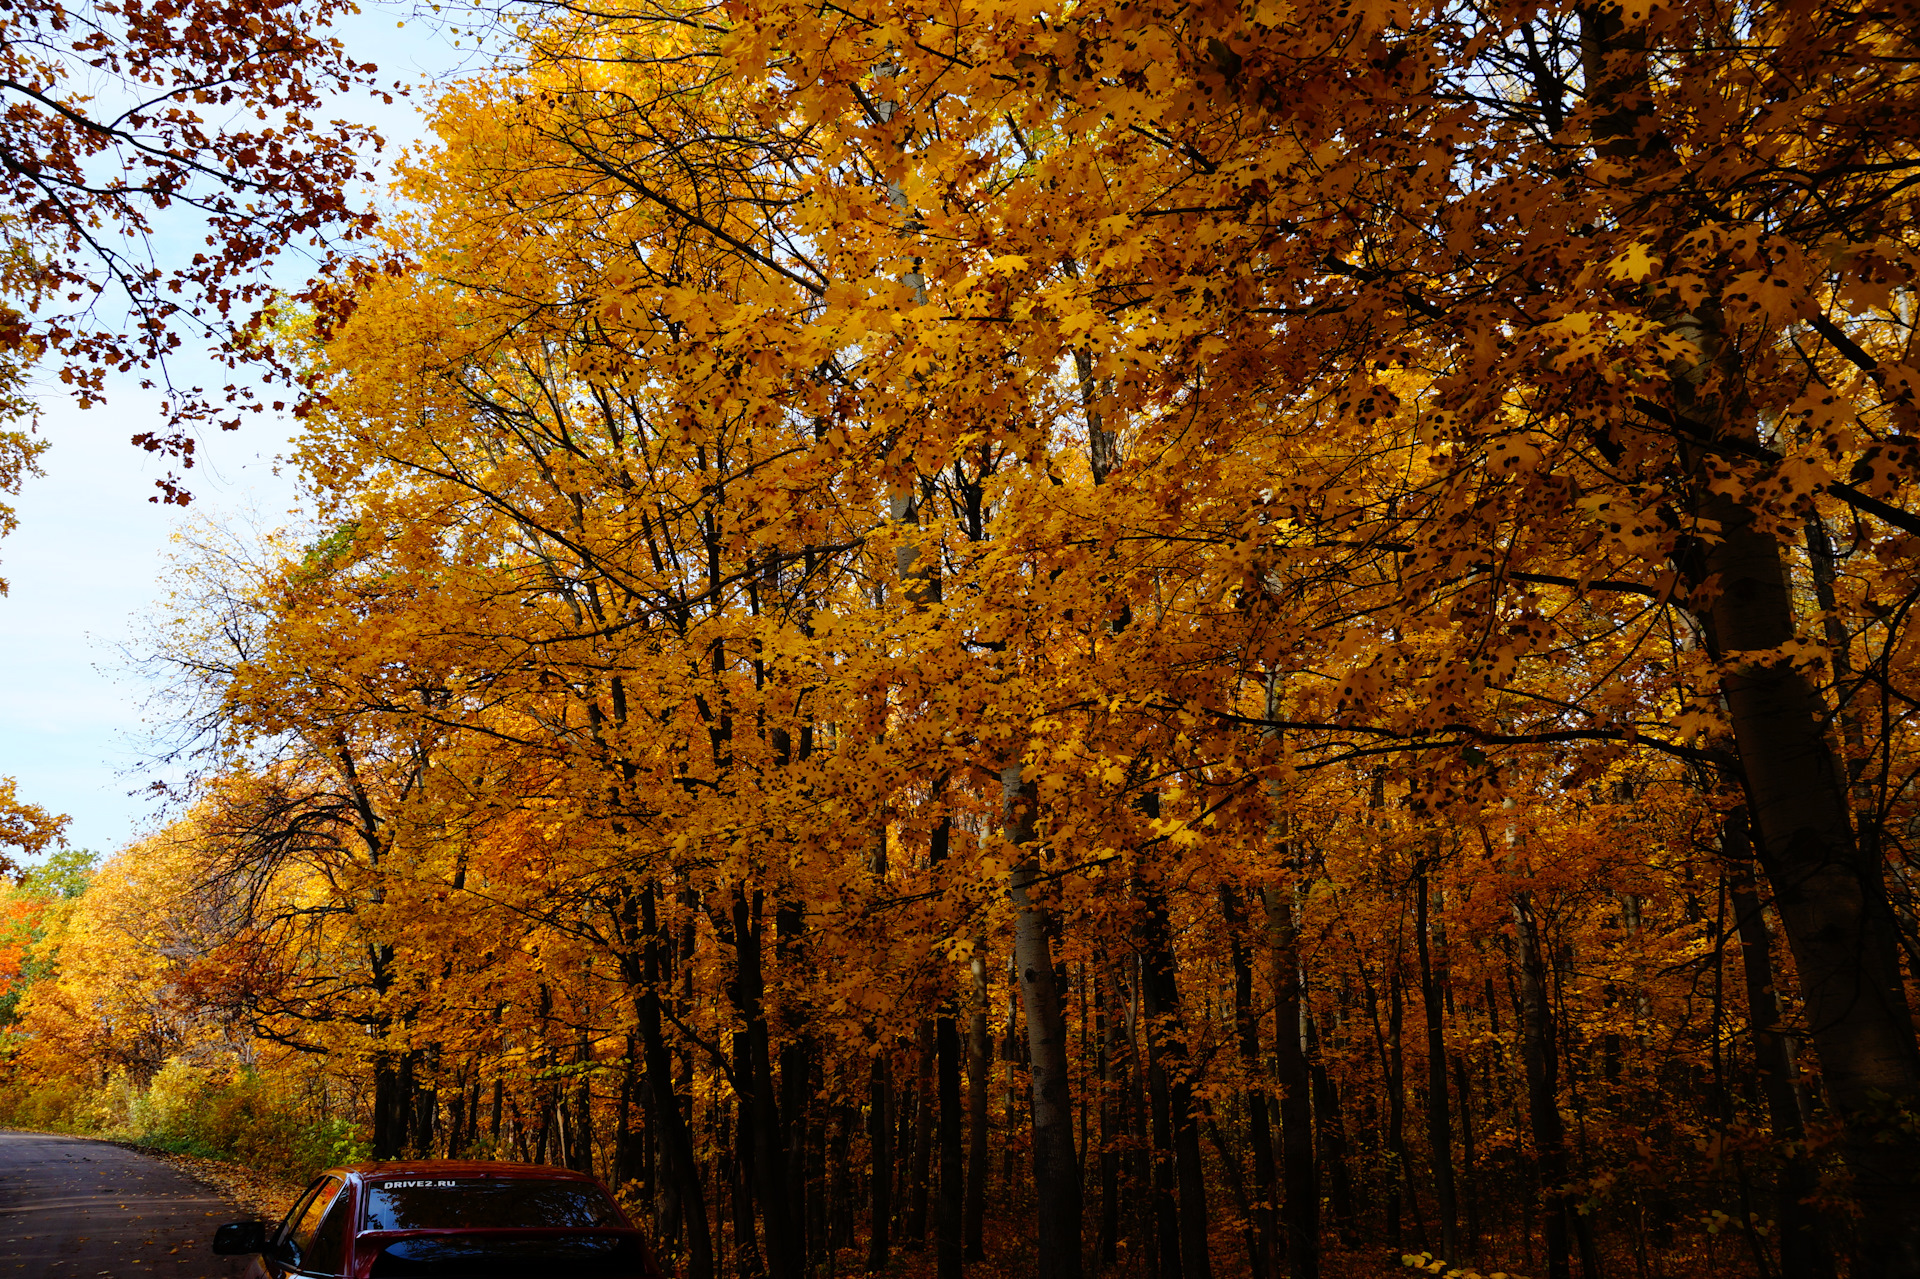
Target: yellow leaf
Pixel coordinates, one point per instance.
(1635, 264)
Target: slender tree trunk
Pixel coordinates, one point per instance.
(1331, 1130)
(840, 1190)
(391, 1105)
(1260, 1131)
(1301, 1207)
(1056, 1174)
(626, 1142)
(1397, 1106)
(1803, 1243)
(1543, 1107)
(1166, 1204)
(549, 1107)
(880, 1139)
(1469, 1177)
(746, 1238)
(1439, 1113)
(1107, 1022)
(920, 1170)
(580, 1154)
(493, 1128)
(1163, 1010)
(906, 1105)
(949, 1209)
(948, 1212)
(1139, 1113)
(796, 1069)
(762, 1135)
(979, 1083)
(1013, 1051)
(675, 1135)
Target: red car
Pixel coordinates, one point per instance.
(449, 1220)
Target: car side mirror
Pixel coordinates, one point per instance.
(238, 1238)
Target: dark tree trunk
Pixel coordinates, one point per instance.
(1469, 1179)
(1056, 1171)
(1830, 894)
(1260, 1129)
(493, 1126)
(426, 1100)
(1543, 1106)
(880, 1149)
(979, 1084)
(1439, 1112)
(676, 1138)
(1828, 884)
(580, 1148)
(392, 1107)
(796, 1067)
(1166, 1204)
(1803, 1244)
(1331, 1130)
(1167, 1033)
(1107, 1023)
(947, 1213)
(763, 1144)
(1397, 1108)
(627, 1144)
(1301, 1208)
(920, 1170)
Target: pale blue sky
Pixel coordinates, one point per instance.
(88, 559)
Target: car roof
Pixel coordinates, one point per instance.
(409, 1169)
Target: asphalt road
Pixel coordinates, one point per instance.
(77, 1209)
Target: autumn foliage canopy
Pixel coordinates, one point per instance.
(1096, 637)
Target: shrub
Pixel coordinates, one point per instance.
(221, 1112)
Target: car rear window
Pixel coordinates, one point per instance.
(437, 1203)
(463, 1257)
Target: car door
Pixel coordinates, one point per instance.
(324, 1255)
(313, 1234)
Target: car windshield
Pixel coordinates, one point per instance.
(462, 1203)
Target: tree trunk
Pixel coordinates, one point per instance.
(1331, 1130)
(675, 1136)
(493, 1126)
(979, 1083)
(1543, 1108)
(580, 1151)
(1056, 1172)
(392, 1107)
(1107, 1022)
(1301, 1206)
(1439, 1114)
(1166, 1205)
(1830, 896)
(1168, 1028)
(1396, 1068)
(1827, 885)
(948, 1210)
(920, 1168)
(796, 1067)
(627, 1144)
(762, 1137)
(1260, 1130)
(880, 1145)
(1803, 1244)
